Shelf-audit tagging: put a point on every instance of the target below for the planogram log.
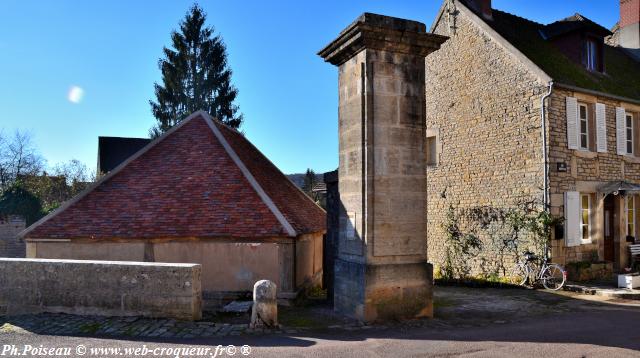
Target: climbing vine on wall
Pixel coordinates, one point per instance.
(460, 247)
(493, 238)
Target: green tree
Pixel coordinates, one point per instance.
(195, 76)
(310, 182)
(65, 181)
(18, 201)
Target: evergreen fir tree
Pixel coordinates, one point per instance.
(195, 76)
(310, 182)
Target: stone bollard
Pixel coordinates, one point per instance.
(265, 306)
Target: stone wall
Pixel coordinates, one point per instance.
(330, 244)
(586, 171)
(381, 186)
(483, 106)
(100, 288)
(382, 168)
(10, 244)
(230, 267)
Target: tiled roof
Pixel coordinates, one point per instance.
(187, 184)
(303, 214)
(622, 72)
(112, 151)
(576, 22)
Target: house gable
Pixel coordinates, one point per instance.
(621, 77)
(458, 8)
(483, 107)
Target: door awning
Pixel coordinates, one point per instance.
(619, 187)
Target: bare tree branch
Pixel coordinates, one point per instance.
(18, 157)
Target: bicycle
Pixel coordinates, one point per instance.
(552, 276)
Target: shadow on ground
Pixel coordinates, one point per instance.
(461, 314)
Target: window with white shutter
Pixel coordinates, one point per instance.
(601, 127)
(572, 122)
(629, 131)
(621, 130)
(585, 217)
(583, 126)
(572, 219)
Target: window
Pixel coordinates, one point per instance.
(432, 151)
(591, 53)
(583, 121)
(631, 216)
(585, 219)
(629, 130)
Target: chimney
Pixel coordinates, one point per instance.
(483, 8)
(629, 36)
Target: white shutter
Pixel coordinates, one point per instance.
(572, 122)
(572, 218)
(621, 131)
(601, 127)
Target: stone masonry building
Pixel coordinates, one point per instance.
(521, 112)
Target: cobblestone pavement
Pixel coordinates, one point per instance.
(61, 324)
(75, 325)
(454, 307)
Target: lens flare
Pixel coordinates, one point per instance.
(75, 94)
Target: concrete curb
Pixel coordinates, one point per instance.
(620, 293)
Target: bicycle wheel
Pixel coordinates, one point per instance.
(518, 275)
(553, 277)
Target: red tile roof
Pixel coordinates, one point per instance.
(201, 179)
(298, 209)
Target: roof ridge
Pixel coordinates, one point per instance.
(247, 174)
(519, 17)
(216, 120)
(106, 177)
(488, 28)
(293, 184)
(108, 136)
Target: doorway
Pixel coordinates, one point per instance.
(610, 218)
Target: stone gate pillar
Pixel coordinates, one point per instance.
(381, 270)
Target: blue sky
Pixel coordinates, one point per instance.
(110, 49)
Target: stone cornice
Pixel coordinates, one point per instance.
(383, 33)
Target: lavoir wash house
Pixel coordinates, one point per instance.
(500, 90)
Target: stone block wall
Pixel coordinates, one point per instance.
(230, 267)
(352, 158)
(10, 244)
(106, 288)
(382, 197)
(330, 244)
(382, 168)
(349, 291)
(586, 171)
(484, 105)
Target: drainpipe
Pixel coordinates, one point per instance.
(545, 199)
